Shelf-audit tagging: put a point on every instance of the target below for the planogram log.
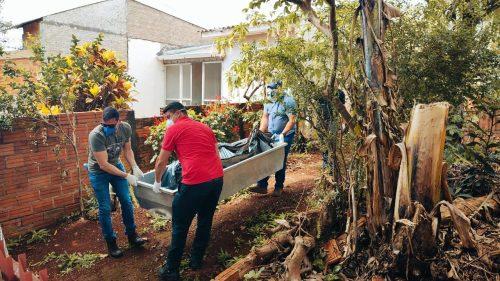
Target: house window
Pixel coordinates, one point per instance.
(212, 78)
(179, 83)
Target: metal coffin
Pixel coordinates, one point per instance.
(236, 178)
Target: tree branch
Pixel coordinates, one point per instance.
(248, 97)
(312, 17)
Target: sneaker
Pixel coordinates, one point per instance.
(258, 189)
(168, 275)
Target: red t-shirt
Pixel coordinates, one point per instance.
(196, 148)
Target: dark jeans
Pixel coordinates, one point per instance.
(100, 183)
(190, 200)
(279, 176)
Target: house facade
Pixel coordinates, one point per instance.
(197, 75)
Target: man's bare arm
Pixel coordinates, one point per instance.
(129, 154)
(102, 160)
(264, 121)
(161, 164)
(289, 125)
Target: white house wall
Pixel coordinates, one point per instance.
(149, 72)
(233, 54)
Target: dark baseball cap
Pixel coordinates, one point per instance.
(174, 106)
(110, 113)
(274, 85)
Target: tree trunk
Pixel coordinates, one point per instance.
(424, 141)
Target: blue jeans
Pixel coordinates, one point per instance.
(100, 183)
(190, 200)
(279, 176)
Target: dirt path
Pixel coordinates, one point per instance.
(229, 233)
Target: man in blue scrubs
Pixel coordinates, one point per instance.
(278, 118)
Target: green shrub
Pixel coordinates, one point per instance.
(38, 236)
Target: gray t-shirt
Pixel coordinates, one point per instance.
(112, 144)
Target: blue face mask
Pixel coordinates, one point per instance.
(108, 129)
(272, 94)
(170, 122)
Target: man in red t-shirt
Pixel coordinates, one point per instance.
(195, 145)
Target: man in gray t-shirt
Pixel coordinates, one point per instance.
(106, 142)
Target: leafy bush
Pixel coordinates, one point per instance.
(444, 52)
(473, 150)
(155, 137)
(89, 78)
(223, 119)
(38, 236)
(159, 222)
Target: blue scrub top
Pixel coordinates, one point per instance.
(279, 112)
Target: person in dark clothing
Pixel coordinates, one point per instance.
(195, 145)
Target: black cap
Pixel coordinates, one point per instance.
(175, 105)
(110, 113)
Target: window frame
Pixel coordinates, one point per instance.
(203, 100)
(181, 98)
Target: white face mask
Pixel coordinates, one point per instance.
(170, 123)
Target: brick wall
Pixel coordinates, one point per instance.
(38, 174)
(21, 59)
(144, 152)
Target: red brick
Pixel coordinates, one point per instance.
(14, 161)
(4, 215)
(70, 209)
(26, 197)
(3, 165)
(32, 220)
(53, 214)
(50, 191)
(39, 180)
(8, 203)
(69, 186)
(43, 205)
(38, 156)
(6, 149)
(15, 136)
(11, 226)
(63, 200)
(20, 212)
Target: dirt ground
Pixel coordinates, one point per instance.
(227, 235)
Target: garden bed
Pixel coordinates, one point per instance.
(235, 230)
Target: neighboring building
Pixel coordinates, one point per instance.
(197, 75)
(134, 29)
(171, 59)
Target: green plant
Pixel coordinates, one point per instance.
(473, 150)
(223, 258)
(334, 275)
(254, 274)
(14, 242)
(38, 236)
(69, 262)
(155, 137)
(159, 222)
(223, 119)
(445, 52)
(256, 226)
